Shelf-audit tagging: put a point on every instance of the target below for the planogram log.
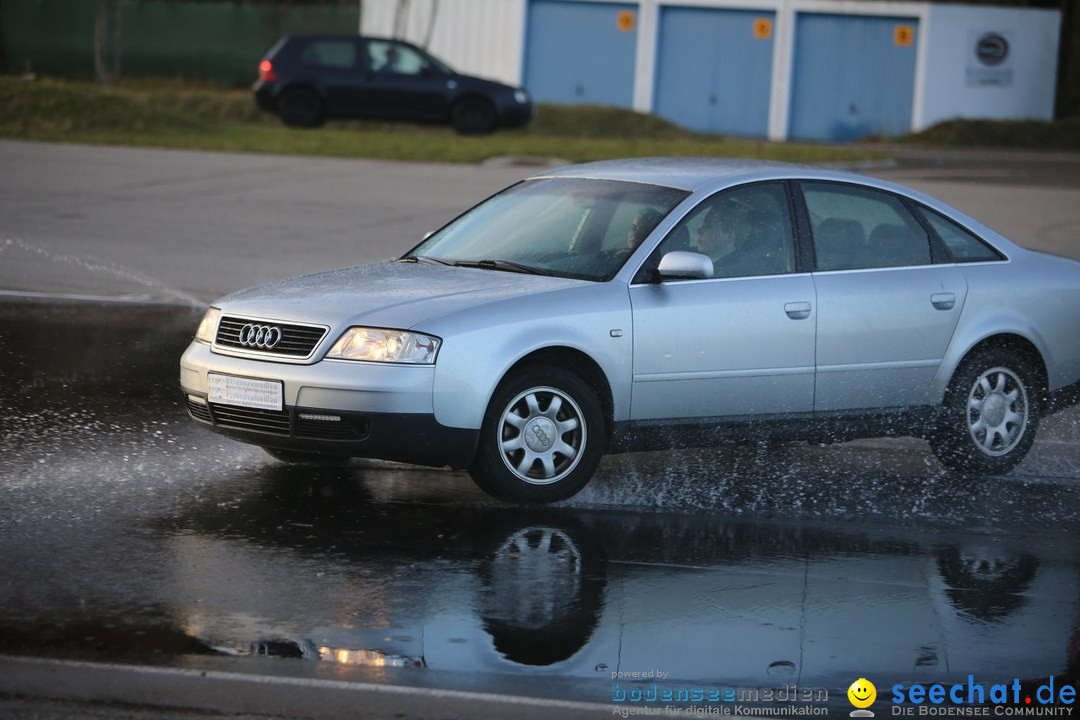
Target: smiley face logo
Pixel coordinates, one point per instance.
(862, 693)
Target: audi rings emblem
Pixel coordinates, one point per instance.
(263, 337)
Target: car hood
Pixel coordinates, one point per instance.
(389, 294)
(473, 83)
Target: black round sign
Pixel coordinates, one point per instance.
(992, 49)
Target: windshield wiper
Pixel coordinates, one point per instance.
(424, 258)
(506, 265)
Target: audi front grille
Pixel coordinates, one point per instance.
(267, 336)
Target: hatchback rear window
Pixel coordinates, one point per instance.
(329, 54)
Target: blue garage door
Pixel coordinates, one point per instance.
(854, 76)
(715, 69)
(581, 52)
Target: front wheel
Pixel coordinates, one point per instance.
(473, 116)
(542, 438)
(991, 414)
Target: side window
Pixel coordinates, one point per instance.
(963, 246)
(746, 231)
(857, 227)
(339, 54)
(391, 57)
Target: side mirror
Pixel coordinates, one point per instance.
(680, 264)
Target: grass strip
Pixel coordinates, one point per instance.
(177, 114)
(1061, 134)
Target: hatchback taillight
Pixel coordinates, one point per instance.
(266, 71)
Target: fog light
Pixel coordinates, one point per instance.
(320, 418)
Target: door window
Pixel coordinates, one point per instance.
(746, 231)
(391, 57)
(856, 227)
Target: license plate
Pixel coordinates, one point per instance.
(246, 392)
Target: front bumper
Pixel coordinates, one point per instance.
(340, 407)
(516, 114)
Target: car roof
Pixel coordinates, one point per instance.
(691, 173)
(341, 36)
(708, 175)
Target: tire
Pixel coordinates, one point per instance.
(991, 413)
(301, 107)
(298, 457)
(473, 116)
(563, 416)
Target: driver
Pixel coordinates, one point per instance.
(723, 232)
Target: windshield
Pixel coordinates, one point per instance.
(569, 227)
(440, 65)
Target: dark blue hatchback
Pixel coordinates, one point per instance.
(306, 79)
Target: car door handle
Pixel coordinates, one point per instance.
(797, 310)
(943, 301)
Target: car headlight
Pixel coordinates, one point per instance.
(389, 346)
(521, 96)
(208, 326)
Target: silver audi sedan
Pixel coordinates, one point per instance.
(646, 304)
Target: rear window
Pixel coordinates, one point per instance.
(340, 54)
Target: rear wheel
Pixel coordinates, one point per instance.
(991, 413)
(473, 116)
(301, 107)
(542, 438)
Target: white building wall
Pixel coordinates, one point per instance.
(476, 37)
(958, 85)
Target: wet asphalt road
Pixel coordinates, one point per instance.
(129, 535)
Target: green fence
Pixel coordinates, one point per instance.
(220, 42)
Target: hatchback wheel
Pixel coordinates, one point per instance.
(473, 116)
(542, 437)
(300, 107)
(991, 414)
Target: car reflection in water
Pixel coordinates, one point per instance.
(586, 593)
